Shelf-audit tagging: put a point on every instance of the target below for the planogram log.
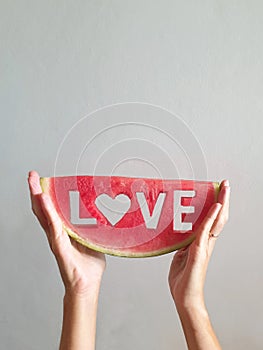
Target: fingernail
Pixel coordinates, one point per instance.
(226, 183)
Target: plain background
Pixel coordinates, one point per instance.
(60, 60)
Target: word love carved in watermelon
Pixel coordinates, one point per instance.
(133, 217)
(115, 209)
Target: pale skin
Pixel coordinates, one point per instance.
(188, 272)
(82, 269)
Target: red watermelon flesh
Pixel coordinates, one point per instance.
(128, 235)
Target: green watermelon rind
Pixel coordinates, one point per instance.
(127, 253)
(44, 182)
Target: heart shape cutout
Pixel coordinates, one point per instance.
(113, 208)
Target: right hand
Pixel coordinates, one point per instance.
(189, 265)
(81, 268)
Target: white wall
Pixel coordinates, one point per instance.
(60, 61)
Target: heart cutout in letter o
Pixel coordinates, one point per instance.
(113, 208)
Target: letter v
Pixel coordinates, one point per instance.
(151, 221)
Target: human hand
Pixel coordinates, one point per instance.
(189, 265)
(81, 268)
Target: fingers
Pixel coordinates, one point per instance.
(224, 183)
(224, 186)
(217, 215)
(35, 192)
(223, 198)
(46, 213)
(206, 225)
(34, 183)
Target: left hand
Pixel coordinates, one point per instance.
(81, 268)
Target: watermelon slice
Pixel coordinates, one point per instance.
(130, 217)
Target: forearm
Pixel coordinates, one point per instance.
(197, 327)
(79, 321)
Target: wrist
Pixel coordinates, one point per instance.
(83, 294)
(196, 325)
(193, 303)
(82, 287)
(79, 319)
(193, 307)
